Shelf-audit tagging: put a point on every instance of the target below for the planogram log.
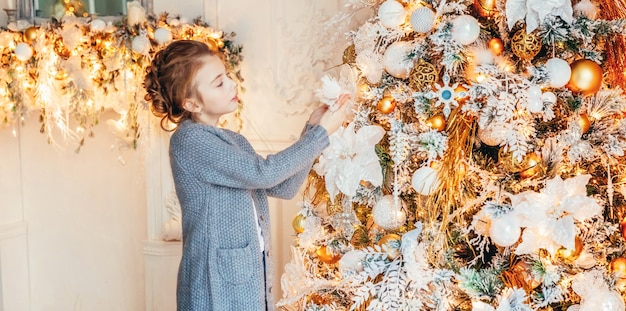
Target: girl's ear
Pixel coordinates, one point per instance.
(190, 105)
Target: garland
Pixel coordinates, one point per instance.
(72, 70)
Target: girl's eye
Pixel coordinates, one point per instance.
(221, 83)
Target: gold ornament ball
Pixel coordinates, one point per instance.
(437, 122)
(485, 8)
(30, 34)
(298, 223)
(586, 77)
(325, 256)
(571, 254)
(423, 74)
(526, 45)
(584, 122)
(531, 164)
(386, 105)
(391, 245)
(618, 266)
(349, 55)
(496, 46)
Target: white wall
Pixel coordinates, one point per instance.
(84, 217)
(83, 231)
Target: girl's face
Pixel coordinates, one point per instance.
(215, 93)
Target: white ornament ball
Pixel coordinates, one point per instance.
(548, 97)
(489, 137)
(392, 14)
(23, 51)
(505, 230)
(534, 105)
(162, 35)
(97, 25)
(559, 71)
(387, 215)
(141, 44)
(395, 59)
(534, 92)
(425, 180)
(422, 19)
(465, 29)
(173, 22)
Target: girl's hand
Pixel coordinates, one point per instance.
(332, 120)
(317, 114)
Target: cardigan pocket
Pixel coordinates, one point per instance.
(235, 264)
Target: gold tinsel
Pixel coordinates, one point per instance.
(441, 205)
(615, 60)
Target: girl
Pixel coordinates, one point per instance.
(221, 182)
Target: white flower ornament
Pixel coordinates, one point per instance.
(535, 11)
(351, 158)
(332, 88)
(549, 216)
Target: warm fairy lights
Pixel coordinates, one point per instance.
(71, 71)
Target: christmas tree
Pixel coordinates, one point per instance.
(483, 169)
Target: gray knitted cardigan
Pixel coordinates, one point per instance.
(218, 179)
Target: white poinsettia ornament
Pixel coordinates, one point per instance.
(548, 216)
(351, 158)
(595, 293)
(535, 11)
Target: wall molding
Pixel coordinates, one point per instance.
(162, 248)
